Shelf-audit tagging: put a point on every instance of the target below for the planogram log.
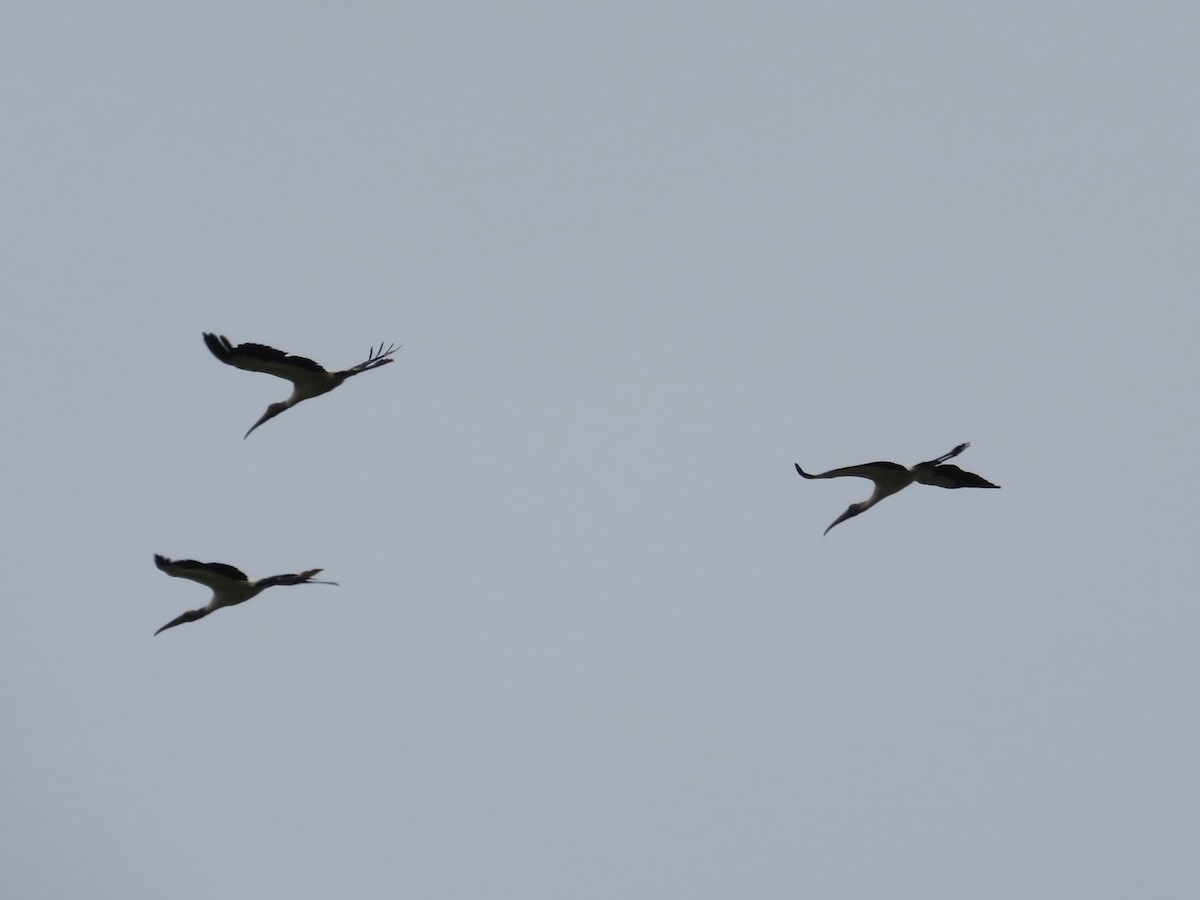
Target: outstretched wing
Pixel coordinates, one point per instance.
(950, 476)
(261, 358)
(873, 471)
(209, 574)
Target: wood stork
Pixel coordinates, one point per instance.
(309, 379)
(230, 585)
(890, 477)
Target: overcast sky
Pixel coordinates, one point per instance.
(589, 641)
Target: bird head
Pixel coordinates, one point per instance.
(272, 411)
(190, 616)
(853, 510)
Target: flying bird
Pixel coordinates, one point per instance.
(890, 477)
(230, 585)
(309, 379)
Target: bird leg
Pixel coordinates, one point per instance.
(305, 577)
(381, 353)
(953, 453)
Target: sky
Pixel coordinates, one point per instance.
(588, 639)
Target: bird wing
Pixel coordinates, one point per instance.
(209, 574)
(951, 476)
(872, 470)
(261, 358)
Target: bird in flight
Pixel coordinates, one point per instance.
(230, 585)
(890, 477)
(309, 379)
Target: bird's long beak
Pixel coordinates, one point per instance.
(190, 616)
(848, 514)
(272, 411)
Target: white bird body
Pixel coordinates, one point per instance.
(890, 477)
(309, 379)
(229, 585)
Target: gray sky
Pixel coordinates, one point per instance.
(589, 640)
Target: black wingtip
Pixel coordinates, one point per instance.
(218, 345)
